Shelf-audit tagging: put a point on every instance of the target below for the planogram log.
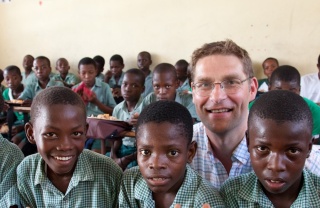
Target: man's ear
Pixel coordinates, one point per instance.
(29, 132)
(247, 139)
(192, 149)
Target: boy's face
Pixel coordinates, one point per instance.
(164, 86)
(144, 61)
(221, 112)
(63, 66)
(278, 152)
(269, 66)
(131, 87)
(181, 72)
(88, 74)
(12, 79)
(116, 68)
(163, 152)
(42, 69)
(292, 86)
(60, 134)
(27, 62)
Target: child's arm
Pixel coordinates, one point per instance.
(93, 99)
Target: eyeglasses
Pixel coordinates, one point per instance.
(232, 86)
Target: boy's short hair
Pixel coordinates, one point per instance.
(227, 47)
(165, 68)
(117, 57)
(147, 53)
(282, 106)
(87, 61)
(54, 96)
(44, 58)
(285, 73)
(168, 111)
(319, 59)
(270, 58)
(100, 60)
(13, 69)
(138, 73)
(183, 63)
(62, 59)
(1, 76)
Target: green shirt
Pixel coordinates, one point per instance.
(10, 157)
(95, 183)
(246, 191)
(6, 96)
(194, 191)
(315, 111)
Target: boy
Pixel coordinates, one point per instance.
(163, 178)
(144, 61)
(99, 64)
(100, 99)
(62, 174)
(182, 75)
(64, 76)
(279, 141)
(124, 153)
(28, 76)
(268, 65)
(2, 87)
(43, 72)
(116, 67)
(165, 84)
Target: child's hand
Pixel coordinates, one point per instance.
(116, 92)
(203, 206)
(133, 119)
(107, 76)
(92, 98)
(27, 103)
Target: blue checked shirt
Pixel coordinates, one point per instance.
(246, 191)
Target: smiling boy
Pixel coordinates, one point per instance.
(164, 178)
(62, 174)
(279, 141)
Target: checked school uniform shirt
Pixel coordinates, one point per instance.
(95, 183)
(194, 191)
(246, 191)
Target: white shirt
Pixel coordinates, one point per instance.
(310, 87)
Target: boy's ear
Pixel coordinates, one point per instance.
(192, 149)
(247, 139)
(29, 132)
(310, 146)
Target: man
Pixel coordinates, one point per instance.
(223, 85)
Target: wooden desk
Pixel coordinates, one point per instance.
(10, 116)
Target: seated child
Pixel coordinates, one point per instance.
(165, 147)
(144, 61)
(28, 76)
(268, 65)
(13, 79)
(99, 99)
(64, 76)
(99, 64)
(116, 67)
(10, 157)
(2, 87)
(279, 141)
(288, 78)
(124, 152)
(62, 174)
(165, 84)
(182, 75)
(42, 69)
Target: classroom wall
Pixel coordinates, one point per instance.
(168, 29)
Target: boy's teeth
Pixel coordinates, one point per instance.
(158, 179)
(63, 158)
(219, 110)
(275, 181)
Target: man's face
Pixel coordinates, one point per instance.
(221, 112)
(278, 152)
(164, 86)
(292, 86)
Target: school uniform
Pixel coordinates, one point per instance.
(70, 79)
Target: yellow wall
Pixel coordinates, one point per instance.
(169, 29)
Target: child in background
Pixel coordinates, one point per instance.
(100, 99)
(165, 84)
(279, 141)
(182, 75)
(2, 87)
(165, 147)
(268, 65)
(43, 72)
(144, 61)
(28, 76)
(62, 174)
(116, 67)
(99, 64)
(124, 151)
(64, 76)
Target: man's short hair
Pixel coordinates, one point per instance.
(227, 47)
(168, 111)
(54, 96)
